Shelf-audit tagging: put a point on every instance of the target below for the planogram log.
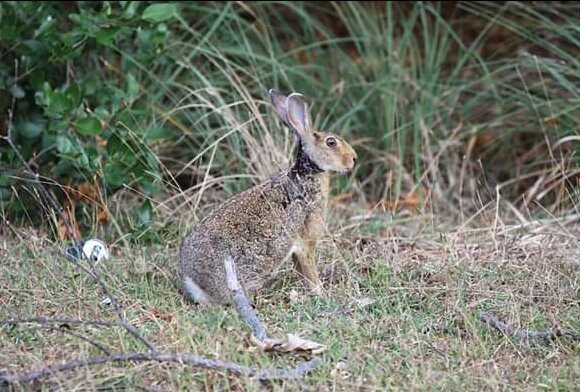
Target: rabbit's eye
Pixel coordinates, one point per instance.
(330, 141)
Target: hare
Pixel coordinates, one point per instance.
(257, 231)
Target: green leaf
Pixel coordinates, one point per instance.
(63, 167)
(117, 146)
(88, 126)
(113, 174)
(82, 160)
(73, 96)
(132, 88)
(145, 214)
(48, 140)
(5, 193)
(64, 145)
(5, 181)
(106, 37)
(37, 78)
(159, 133)
(55, 102)
(31, 129)
(149, 188)
(45, 26)
(35, 46)
(128, 158)
(130, 9)
(159, 12)
(94, 157)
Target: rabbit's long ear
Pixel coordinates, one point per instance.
(278, 100)
(298, 114)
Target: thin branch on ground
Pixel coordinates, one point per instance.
(46, 320)
(123, 320)
(76, 335)
(46, 324)
(525, 334)
(188, 359)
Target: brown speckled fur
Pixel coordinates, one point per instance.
(264, 226)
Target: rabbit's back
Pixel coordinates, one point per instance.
(258, 228)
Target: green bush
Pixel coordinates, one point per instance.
(73, 110)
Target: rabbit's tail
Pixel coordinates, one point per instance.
(196, 293)
(241, 301)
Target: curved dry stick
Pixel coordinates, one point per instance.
(45, 325)
(257, 373)
(525, 334)
(76, 335)
(123, 320)
(46, 320)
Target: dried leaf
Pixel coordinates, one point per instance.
(292, 343)
(62, 229)
(101, 141)
(483, 140)
(410, 202)
(91, 193)
(102, 215)
(154, 314)
(341, 197)
(340, 371)
(87, 191)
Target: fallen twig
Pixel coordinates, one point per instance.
(46, 324)
(76, 335)
(45, 320)
(123, 320)
(525, 334)
(257, 373)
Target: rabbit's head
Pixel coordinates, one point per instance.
(328, 151)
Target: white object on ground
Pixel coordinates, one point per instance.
(95, 250)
